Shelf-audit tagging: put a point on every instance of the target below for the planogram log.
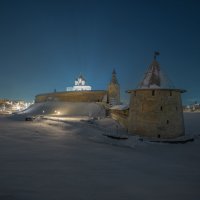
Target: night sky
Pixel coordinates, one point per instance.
(46, 44)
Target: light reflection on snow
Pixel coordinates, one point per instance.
(66, 118)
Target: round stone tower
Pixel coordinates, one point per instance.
(114, 90)
(155, 106)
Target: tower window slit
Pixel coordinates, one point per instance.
(161, 108)
(153, 92)
(170, 93)
(167, 121)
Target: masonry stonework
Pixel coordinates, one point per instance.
(156, 113)
(74, 96)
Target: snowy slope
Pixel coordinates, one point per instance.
(65, 109)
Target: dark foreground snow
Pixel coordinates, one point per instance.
(48, 160)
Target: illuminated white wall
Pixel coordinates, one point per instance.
(79, 88)
(79, 85)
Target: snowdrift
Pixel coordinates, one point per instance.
(65, 109)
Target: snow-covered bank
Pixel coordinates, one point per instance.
(65, 109)
(72, 160)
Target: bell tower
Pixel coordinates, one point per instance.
(114, 90)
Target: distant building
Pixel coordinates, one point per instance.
(9, 106)
(195, 107)
(80, 85)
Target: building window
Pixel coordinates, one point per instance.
(176, 108)
(167, 121)
(153, 92)
(170, 93)
(161, 108)
(135, 93)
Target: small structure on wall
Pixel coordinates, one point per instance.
(155, 106)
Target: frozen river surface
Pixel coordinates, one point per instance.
(48, 160)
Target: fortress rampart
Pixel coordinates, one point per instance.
(73, 96)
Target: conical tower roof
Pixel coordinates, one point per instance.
(114, 78)
(155, 78)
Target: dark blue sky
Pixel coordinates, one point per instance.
(45, 44)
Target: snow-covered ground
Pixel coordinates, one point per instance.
(56, 160)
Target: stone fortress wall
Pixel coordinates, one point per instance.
(121, 116)
(73, 96)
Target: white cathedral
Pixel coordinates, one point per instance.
(80, 85)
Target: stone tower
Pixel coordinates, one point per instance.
(114, 90)
(155, 106)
